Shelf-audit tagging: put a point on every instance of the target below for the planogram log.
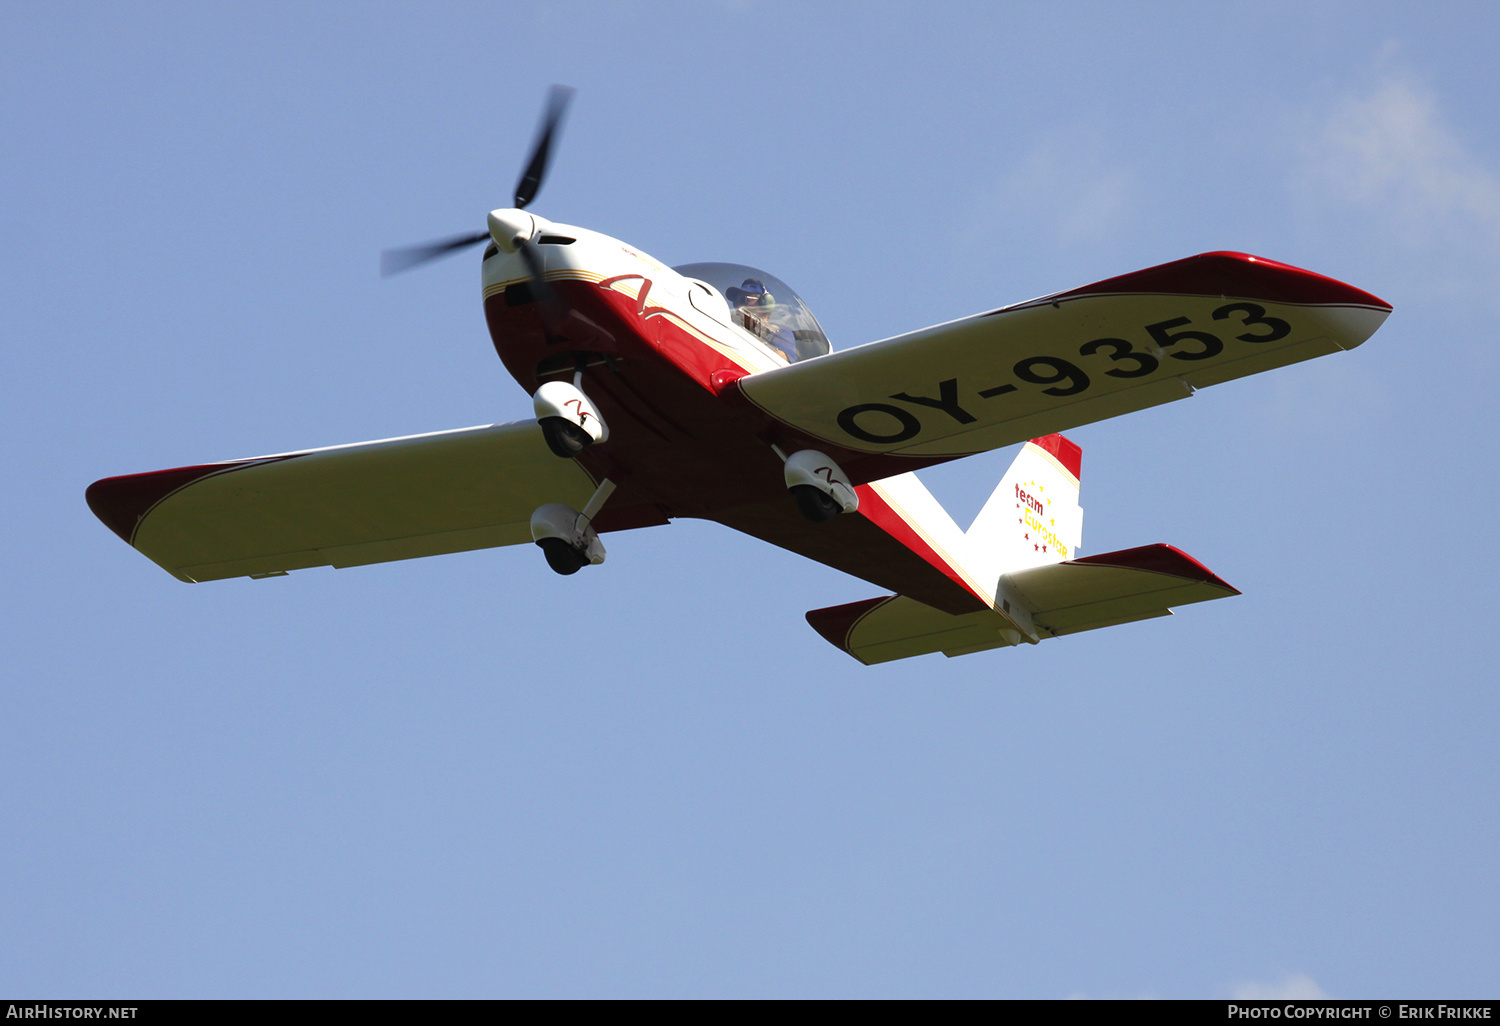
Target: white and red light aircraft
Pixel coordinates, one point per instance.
(710, 391)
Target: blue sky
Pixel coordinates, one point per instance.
(465, 776)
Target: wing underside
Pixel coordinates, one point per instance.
(1080, 356)
(345, 506)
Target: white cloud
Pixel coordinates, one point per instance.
(1391, 148)
(1296, 987)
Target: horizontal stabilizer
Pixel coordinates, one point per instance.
(1040, 602)
(1115, 587)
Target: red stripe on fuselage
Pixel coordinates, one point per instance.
(879, 512)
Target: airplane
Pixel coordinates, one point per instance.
(710, 390)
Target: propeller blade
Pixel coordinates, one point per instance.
(536, 170)
(393, 261)
(552, 309)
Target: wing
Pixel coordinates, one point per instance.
(348, 505)
(1068, 359)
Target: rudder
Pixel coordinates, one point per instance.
(1033, 517)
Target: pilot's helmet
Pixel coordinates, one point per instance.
(753, 290)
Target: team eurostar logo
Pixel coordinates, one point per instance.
(1034, 519)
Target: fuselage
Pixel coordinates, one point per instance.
(660, 354)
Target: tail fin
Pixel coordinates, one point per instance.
(1033, 517)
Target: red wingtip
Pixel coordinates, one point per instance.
(1065, 452)
(1160, 559)
(1233, 274)
(835, 622)
(121, 502)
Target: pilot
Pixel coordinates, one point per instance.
(752, 294)
(755, 305)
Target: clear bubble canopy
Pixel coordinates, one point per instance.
(766, 306)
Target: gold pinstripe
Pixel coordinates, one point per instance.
(631, 287)
(568, 275)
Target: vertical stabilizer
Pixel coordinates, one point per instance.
(1033, 517)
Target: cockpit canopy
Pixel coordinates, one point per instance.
(766, 306)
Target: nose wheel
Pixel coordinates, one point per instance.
(564, 438)
(569, 421)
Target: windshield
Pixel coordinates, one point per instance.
(765, 306)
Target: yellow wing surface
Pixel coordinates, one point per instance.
(343, 506)
(1047, 601)
(1072, 358)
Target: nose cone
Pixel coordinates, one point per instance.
(509, 227)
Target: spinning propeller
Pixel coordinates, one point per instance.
(510, 229)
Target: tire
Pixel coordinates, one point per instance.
(562, 557)
(564, 438)
(815, 505)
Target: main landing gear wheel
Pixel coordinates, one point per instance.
(562, 557)
(564, 438)
(815, 504)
